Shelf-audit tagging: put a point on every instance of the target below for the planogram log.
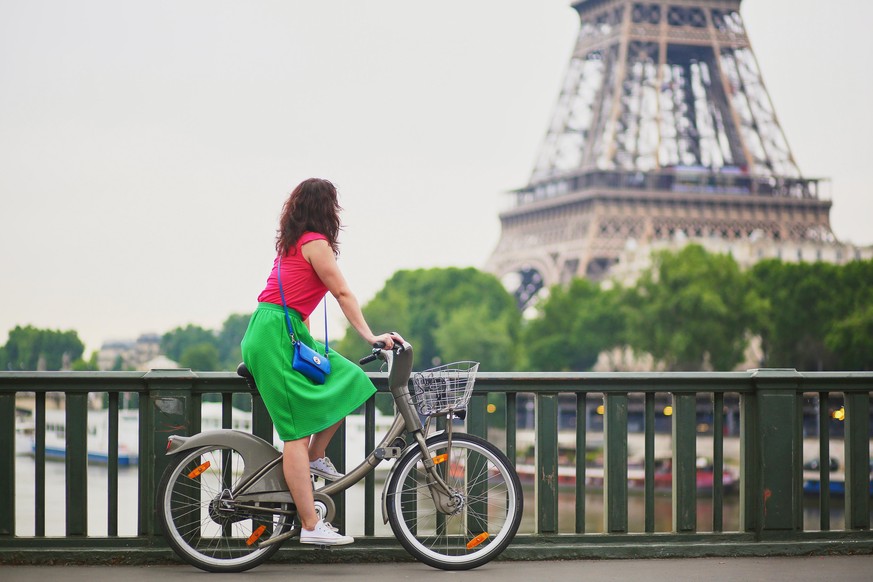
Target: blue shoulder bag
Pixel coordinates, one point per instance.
(304, 359)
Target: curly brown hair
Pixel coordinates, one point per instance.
(311, 207)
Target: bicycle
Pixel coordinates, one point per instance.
(454, 500)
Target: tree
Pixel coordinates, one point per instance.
(447, 314)
(803, 302)
(174, 343)
(693, 310)
(574, 324)
(187, 345)
(229, 338)
(89, 365)
(30, 348)
(851, 339)
(202, 356)
(472, 333)
(118, 365)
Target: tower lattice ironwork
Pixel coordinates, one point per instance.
(663, 127)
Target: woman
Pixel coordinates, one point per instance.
(306, 415)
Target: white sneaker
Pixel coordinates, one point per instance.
(324, 469)
(323, 535)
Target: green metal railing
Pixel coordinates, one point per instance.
(770, 404)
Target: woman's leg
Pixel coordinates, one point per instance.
(295, 466)
(320, 440)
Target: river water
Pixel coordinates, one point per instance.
(128, 501)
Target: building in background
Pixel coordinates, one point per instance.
(131, 354)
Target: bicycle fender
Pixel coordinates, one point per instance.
(255, 451)
(414, 445)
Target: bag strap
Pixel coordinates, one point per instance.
(285, 307)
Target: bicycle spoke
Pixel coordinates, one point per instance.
(201, 519)
(481, 481)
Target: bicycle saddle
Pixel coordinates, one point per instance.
(242, 370)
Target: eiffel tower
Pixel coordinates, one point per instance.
(663, 128)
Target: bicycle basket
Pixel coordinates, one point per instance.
(444, 388)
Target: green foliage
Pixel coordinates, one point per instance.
(174, 343)
(447, 314)
(801, 306)
(693, 309)
(89, 365)
(202, 356)
(817, 314)
(573, 326)
(851, 338)
(471, 332)
(202, 349)
(229, 338)
(118, 365)
(30, 348)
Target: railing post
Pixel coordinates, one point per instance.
(336, 450)
(581, 458)
(546, 482)
(857, 460)
(76, 461)
(7, 464)
(477, 422)
(511, 427)
(750, 478)
(684, 462)
(262, 424)
(165, 409)
(477, 477)
(615, 518)
(778, 443)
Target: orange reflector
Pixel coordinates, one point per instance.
(477, 540)
(255, 535)
(440, 459)
(196, 472)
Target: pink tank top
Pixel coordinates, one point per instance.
(303, 288)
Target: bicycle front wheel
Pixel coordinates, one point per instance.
(201, 520)
(487, 503)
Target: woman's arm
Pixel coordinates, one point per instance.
(321, 257)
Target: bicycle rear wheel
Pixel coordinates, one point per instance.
(489, 503)
(203, 524)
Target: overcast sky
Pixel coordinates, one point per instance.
(146, 147)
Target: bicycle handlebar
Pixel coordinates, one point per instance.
(373, 356)
(377, 348)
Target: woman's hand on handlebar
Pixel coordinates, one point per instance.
(387, 340)
(381, 342)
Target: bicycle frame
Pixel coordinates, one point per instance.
(263, 480)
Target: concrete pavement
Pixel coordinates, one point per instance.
(777, 569)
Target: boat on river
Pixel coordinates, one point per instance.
(636, 475)
(97, 439)
(836, 478)
(211, 418)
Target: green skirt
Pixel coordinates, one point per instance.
(298, 406)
